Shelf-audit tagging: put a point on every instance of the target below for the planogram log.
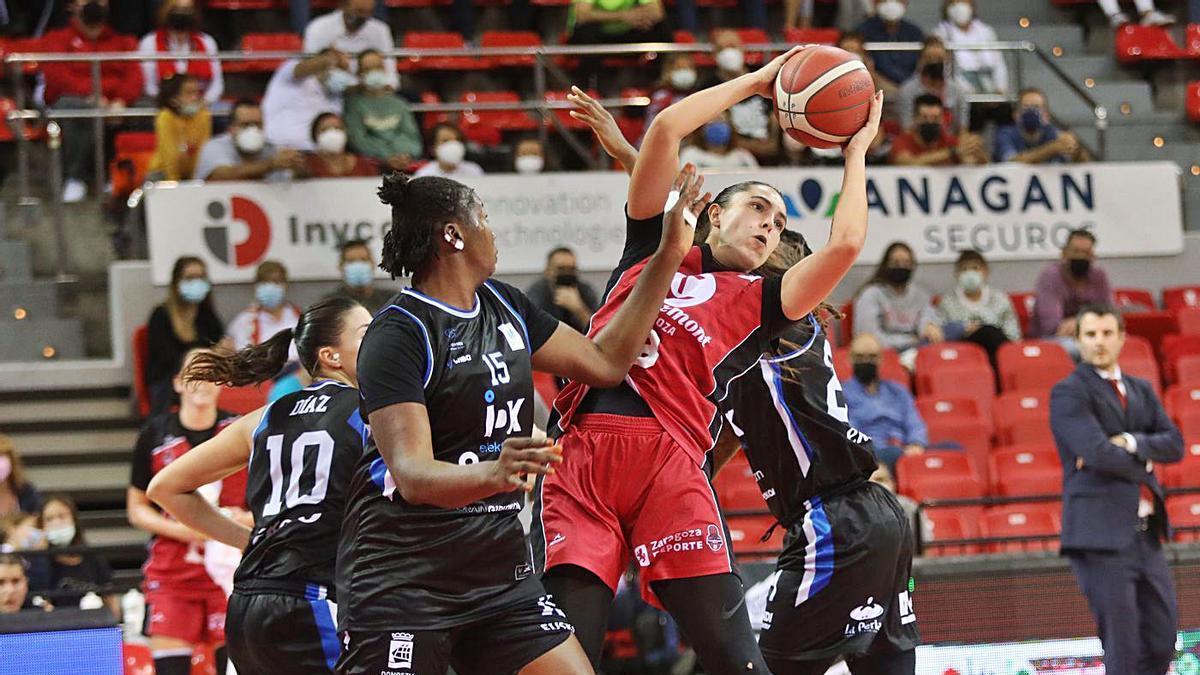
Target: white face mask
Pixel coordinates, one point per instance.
(332, 141)
(60, 536)
(250, 140)
(970, 280)
(450, 153)
(683, 79)
(960, 13)
(527, 164)
(730, 59)
(890, 10)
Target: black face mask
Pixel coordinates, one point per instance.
(866, 372)
(929, 132)
(354, 22)
(568, 279)
(897, 276)
(935, 70)
(181, 20)
(93, 14)
(1079, 267)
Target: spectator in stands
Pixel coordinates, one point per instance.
(380, 124)
(1065, 286)
(1032, 139)
(14, 585)
(357, 267)
(592, 22)
(182, 126)
(754, 12)
(529, 157)
(352, 30)
(985, 71)
(678, 79)
(755, 124)
(179, 34)
(889, 25)
(242, 153)
(299, 91)
(927, 143)
(22, 534)
(269, 313)
(893, 308)
(69, 85)
(330, 159)
(561, 293)
(715, 148)
(1147, 14)
(186, 320)
(449, 153)
(933, 77)
(73, 575)
(17, 495)
(881, 409)
(974, 311)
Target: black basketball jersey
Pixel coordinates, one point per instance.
(305, 449)
(421, 567)
(790, 416)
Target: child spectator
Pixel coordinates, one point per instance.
(529, 157)
(182, 126)
(755, 124)
(677, 80)
(269, 313)
(179, 34)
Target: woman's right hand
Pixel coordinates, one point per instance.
(520, 457)
(861, 141)
(764, 78)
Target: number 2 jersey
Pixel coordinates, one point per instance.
(712, 327)
(790, 416)
(174, 565)
(305, 449)
(422, 567)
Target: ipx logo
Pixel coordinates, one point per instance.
(258, 231)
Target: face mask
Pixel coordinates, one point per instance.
(189, 109)
(269, 294)
(866, 372)
(1079, 267)
(194, 290)
(93, 14)
(718, 133)
(930, 132)
(357, 273)
(354, 22)
(935, 70)
(450, 153)
(1031, 119)
(181, 20)
(376, 79)
(33, 539)
(970, 280)
(5, 467)
(338, 81)
(683, 79)
(527, 164)
(897, 276)
(332, 141)
(730, 59)
(61, 536)
(250, 140)
(960, 13)
(891, 10)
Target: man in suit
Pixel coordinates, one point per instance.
(1110, 430)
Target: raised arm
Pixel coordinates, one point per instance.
(174, 488)
(812, 279)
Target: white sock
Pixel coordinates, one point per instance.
(1110, 7)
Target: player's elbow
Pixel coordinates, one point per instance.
(664, 131)
(606, 374)
(845, 248)
(158, 490)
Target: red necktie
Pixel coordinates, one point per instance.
(1116, 385)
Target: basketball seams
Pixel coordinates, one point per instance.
(792, 108)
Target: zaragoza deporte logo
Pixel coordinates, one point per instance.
(217, 236)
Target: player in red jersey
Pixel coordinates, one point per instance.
(633, 482)
(184, 606)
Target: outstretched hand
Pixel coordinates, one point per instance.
(590, 112)
(679, 223)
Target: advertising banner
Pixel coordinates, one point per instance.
(1046, 657)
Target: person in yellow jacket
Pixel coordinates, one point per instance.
(181, 128)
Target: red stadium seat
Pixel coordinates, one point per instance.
(956, 369)
(930, 357)
(430, 120)
(1188, 421)
(1137, 359)
(1022, 520)
(745, 534)
(242, 400)
(1134, 299)
(243, 4)
(1181, 398)
(954, 419)
(1184, 473)
(1187, 370)
(1022, 417)
(1192, 101)
(1183, 511)
(1176, 298)
(1151, 325)
(436, 40)
(1173, 348)
(946, 523)
(1191, 39)
(133, 152)
(1032, 365)
(564, 114)
(937, 474)
(140, 351)
(890, 369)
(736, 488)
(485, 126)
(32, 131)
(510, 38)
(1025, 471)
(264, 42)
(1023, 304)
(811, 36)
(1136, 43)
(1188, 320)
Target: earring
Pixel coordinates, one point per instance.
(458, 244)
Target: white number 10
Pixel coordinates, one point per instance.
(323, 443)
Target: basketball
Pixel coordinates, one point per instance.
(823, 96)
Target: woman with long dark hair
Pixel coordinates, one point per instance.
(72, 575)
(434, 568)
(894, 308)
(186, 320)
(300, 452)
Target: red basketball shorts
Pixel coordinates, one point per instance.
(196, 618)
(627, 490)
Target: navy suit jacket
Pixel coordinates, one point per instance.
(1100, 501)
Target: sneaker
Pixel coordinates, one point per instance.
(1119, 19)
(1157, 18)
(74, 190)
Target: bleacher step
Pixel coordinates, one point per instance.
(59, 442)
(64, 409)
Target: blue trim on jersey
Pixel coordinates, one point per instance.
(812, 320)
(356, 422)
(428, 342)
(786, 411)
(378, 472)
(524, 328)
(262, 423)
(328, 632)
(450, 309)
(824, 559)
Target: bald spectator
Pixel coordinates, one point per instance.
(881, 409)
(1067, 285)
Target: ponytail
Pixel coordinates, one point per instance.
(252, 365)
